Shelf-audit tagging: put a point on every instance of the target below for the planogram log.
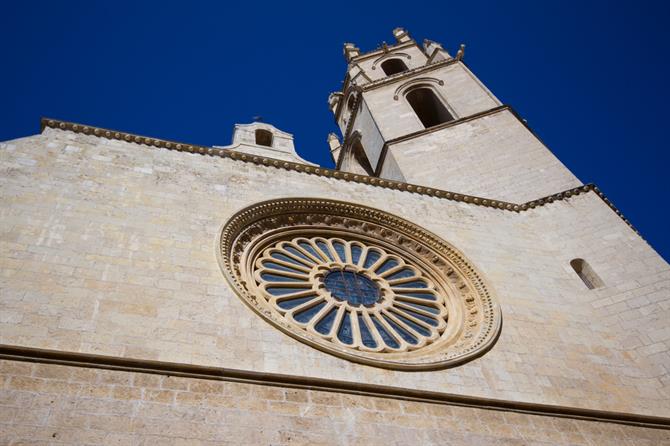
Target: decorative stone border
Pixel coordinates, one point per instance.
(329, 173)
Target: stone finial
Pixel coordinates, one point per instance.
(461, 52)
(351, 51)
(335, 146)
(401, 36)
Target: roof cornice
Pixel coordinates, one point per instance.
(324, 172)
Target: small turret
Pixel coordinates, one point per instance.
(262, 139)
(435, 51)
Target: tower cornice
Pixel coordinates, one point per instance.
(379, 51)
(399, 76)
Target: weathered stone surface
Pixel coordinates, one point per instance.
(108, 247)
(46, 404)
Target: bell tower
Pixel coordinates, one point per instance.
(415, 113)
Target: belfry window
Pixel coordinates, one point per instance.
(264, 137)
(428, 107)
(586, 273)
(393, 66)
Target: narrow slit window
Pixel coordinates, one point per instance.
(393, 66)
(586, 273)
(264, 138)
(428, 107)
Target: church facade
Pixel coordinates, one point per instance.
(449, 282)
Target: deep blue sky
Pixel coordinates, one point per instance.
(591, 78)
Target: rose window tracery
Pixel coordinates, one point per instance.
(351, 293)
(359, 283)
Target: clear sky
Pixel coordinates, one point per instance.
(591, 78)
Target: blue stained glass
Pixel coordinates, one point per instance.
(402, 274)
(276, 278)
(427, 319)
(388, 339)
(326, 323)
(418, 295)
(295, 252)
(292, 303)
(325, 250)
(422, 307)
(387, 265)
(309, 248)
(407, 336)
(279, 256)
(356, 253)
(413, 284)
(366, 336)
(353, 287)
(371, 258)
(339, 248)
(306, 315)
(281, 291)
(344, 332)
(279, 267)
(413, 325)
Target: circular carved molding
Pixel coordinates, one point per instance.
(359, 283)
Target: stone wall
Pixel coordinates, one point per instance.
(44, 404)
(632, 309)
(494, 156)
(108, 247)
(463, 93)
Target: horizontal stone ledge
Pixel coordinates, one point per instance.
(73, 359)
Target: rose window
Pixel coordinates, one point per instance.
(351, 293)
(359, 283)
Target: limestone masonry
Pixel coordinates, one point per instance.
(449, 282)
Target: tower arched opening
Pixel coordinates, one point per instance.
(264, 137)
(428, 107)
(393, 66)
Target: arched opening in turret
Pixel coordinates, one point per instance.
(428, 107)
(264, 137)
(586, 273)
(393, 66)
